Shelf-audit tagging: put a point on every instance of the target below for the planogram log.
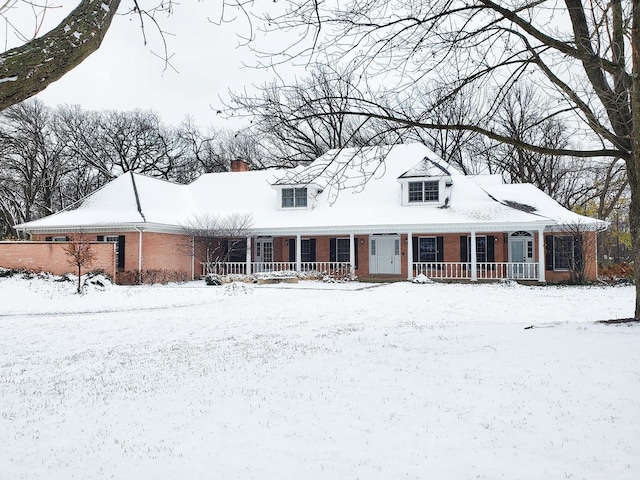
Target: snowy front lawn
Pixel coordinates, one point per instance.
(312, 380)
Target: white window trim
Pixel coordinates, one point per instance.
(572, 260)
(435, 240)
(442, 183)
(294, 206)
(348, 241)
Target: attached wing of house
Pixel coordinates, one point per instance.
(396, 211)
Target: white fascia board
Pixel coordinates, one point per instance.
(425, 228)
(114, 227)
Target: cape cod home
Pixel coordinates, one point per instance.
(391, 212)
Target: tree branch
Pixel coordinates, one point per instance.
(30, 68)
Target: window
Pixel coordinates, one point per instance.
(305, 250)
(294, 197)
(427, 250)
(481, 249)
(113, 239)
(342, 250)
(563, 252)
(485, 248)
(118, 241)
(428, 191)
(60, 239)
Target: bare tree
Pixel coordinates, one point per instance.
(218, 239)
(300, 122)
(32, 163)
(584, 58)
(80, 253)
(30, 68)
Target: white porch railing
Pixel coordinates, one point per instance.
(333, 269)
(485, 271)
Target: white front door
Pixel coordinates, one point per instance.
(263, 254)
(384, 255)
(521, 255)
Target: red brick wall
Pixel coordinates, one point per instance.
(51, 257)
(160, 251)
(164, 251)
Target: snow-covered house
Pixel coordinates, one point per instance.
(392, 212)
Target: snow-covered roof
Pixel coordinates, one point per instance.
(353, 190)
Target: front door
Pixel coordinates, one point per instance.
(521, 255)
(384, 255)
(264, 254)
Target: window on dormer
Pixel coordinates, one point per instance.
(427, 191)
(294, 197)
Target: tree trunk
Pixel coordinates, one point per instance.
(29, 69)
(633, 162)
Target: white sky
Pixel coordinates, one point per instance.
(124, 75)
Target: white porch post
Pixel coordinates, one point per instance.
(298, 253)
(352, 255)
(474, 258)
(248, 256)
(410, 256)
(541, 259)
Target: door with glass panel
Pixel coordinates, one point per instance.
(264, 254)
(521, 257)
(384, 255)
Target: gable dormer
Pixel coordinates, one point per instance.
(296, 196)
(427, 183)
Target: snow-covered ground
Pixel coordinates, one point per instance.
(317, 381)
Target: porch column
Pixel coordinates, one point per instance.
(352, 255)
(410, 256)
(248, 256)
(474, 258)
(541, 259)
(298, 253)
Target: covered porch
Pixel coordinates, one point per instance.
(470, 256)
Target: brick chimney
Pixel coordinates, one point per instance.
(239, 166)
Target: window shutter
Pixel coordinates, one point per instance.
(101, 238)
(121, 252)
(48, 239)
(464, 253)
(548, 252)
(292, 249)
(332, 249)
(312, 249)
(491, 255)
(355, 252)
(440, 249)
(416, 251)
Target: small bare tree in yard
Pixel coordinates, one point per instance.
(80, 254)
(217, 239)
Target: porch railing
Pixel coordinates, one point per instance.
(435, 270)
(333, 269)
(484, 271)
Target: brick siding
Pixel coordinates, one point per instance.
(51, 257)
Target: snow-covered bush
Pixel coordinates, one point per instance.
(7, 272)
(213, 279)
(422, 278)
(97, 279)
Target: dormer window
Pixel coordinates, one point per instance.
(294, 197)
(425, 191)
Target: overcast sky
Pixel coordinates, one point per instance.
(123, 74)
